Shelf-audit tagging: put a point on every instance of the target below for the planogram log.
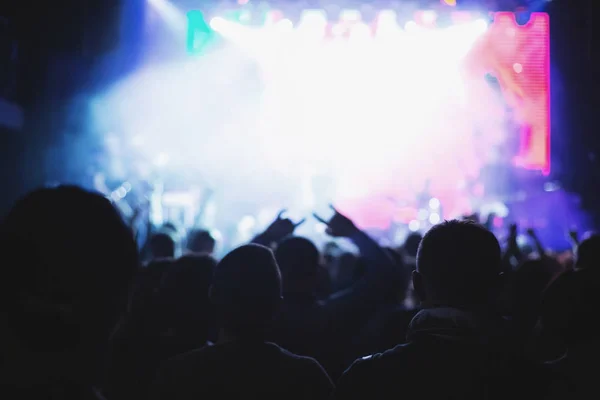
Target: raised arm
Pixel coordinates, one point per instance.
(362, 298)
(279, 229)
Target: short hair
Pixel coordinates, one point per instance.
(588, 252)
(460, 262)
(246, 288)
(201, 241)
(74, 259)
(162, 245)
(297, 257)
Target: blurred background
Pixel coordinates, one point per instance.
(400, 113)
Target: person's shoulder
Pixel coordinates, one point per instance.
(313, 374)
(374, 364)
(367, 374)
(292, 358)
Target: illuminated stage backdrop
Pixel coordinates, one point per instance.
(377, 106)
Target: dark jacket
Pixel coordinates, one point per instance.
(323, 329)
(449, 354)
(245, 369)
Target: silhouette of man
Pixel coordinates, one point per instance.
(323, 328)
(162, 245)
(72, 262)
(246, 292)
(456, 346)
(201, 241)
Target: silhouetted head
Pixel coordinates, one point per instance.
(298, 259)
(411, 244)
(458, 265)
(201, 241)
(588, 252)
(162, 245)
(246, 290)
(72, 263)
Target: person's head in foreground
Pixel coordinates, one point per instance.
(246, 291)
(458, 265)
(72, 262)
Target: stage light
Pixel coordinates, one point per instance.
(217, 23)
(518, 68)
(313, 23)
(428, 17)
(434, 203)
(285, 25)
(451, 3)
(414, 225)
(121, 192)
(338, 30)
(313, 18)
(480, 25)
(246, 223)
(411, 26)
(422, 214)
(434, 219)
(387, 23)
(360, 31)
(387, 18)
(216, 234)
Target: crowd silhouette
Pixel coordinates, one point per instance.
(453, 314)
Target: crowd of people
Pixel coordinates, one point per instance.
(455, 313)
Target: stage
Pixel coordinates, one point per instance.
(269, 109)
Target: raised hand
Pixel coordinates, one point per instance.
(339, 225)
(573, 236)
(281, 227)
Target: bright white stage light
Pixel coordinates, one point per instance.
(314, 79)
(434, 219)
(216, 234)
(414, 225)
(218, 23)
(387, 17)
(434, 204)
(480, 26)
(246, 223)
(360, 31)
(313, 18)
(411, 26)
(285, 25)
(429, 17)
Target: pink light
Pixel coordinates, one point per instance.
(521, 56)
